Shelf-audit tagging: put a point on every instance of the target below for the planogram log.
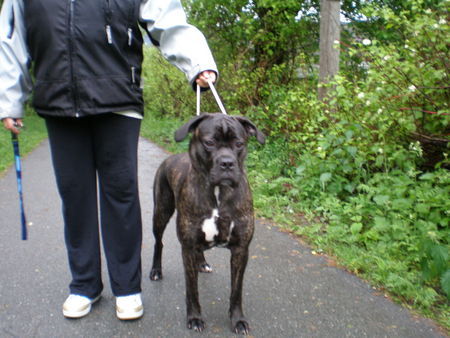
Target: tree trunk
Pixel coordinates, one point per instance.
(329, 52)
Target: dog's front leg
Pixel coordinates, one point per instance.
(239, 258)
(194, 316)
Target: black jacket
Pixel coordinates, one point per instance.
(87, 56)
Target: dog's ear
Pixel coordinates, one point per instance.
(185, 129)
(251, 129)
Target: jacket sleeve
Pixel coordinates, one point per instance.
(180, 43)
(15, 79)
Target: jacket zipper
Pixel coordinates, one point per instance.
(130, 23)
(108, 15)
(71, 52)
(130, 41)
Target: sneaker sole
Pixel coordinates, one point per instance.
(130, 315)
(79, 314)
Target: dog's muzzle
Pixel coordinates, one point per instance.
(225, 170)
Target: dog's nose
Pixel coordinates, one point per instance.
(227, 164)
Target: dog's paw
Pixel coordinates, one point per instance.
(196, 324)
(205, 267)
(155, 274)
(241, 327)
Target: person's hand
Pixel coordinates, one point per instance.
(12, 125)
(202, 79)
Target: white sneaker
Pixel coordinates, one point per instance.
(129, 307)
(77, 306)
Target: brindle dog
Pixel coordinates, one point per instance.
(209, 189)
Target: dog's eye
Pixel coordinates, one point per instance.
(209, 143)
(239, 144)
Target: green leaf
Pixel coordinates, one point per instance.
(445, 282)
(325, 177)
(300, 169)
(381, 199)
(440, 257)
(423, 208)
(401, 204)
(381, 222)
(349, 134)
(352, 150)
(427, 176)
(356, 228)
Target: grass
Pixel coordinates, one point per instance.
(31, 136)
(160, 130)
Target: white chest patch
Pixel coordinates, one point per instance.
(231, 230)
(216, 193)
(209, 226)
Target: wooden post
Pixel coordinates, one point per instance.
(329, 33)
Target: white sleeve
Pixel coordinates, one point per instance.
(15, 79)
(180, 43)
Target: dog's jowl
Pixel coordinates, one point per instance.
(209, 189)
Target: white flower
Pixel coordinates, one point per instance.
(435, 25)
(366, 42)
(428, 11)
(336, 42)
(319, 148)
(386, 57)
(380, 150)
(442, 21)
(361, 95)
(379, 89)
(368, 103)
(379, 111)
(412, 88)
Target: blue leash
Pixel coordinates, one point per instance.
(15, 142)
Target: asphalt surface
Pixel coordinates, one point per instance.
(288, 291)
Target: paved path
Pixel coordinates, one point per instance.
(288, 291)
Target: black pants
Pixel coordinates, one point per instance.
(103, 147)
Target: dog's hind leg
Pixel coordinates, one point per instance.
(164, 207)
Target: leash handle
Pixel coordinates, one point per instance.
(216, 96)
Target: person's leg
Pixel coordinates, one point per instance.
(73, 162)
(116, 140)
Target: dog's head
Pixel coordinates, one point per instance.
(218, 146)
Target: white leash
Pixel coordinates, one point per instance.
(198, 100)
(216, 96)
